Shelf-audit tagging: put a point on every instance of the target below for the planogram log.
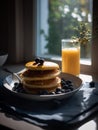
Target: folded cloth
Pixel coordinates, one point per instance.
(53, 114)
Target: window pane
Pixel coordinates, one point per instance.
(57, 20)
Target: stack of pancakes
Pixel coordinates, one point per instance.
(37, 78)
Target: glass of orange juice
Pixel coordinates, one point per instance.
(70, 57)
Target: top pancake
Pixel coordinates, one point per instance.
(47, 65)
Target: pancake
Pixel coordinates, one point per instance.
(50, 83)
(40, 74)
(47, 65)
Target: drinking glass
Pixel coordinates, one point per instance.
(70, 57)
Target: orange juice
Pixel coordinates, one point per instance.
(71, 60)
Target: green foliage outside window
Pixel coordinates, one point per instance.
(64, 15)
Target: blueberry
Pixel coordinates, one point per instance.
(41, 62)
(92, 84)
(71, 88)
(62, 83)
(65, 86)
(15, 86)
(37, 60)
(58, 91)
(18, 87)
(68, 82)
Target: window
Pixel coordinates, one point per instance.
(57, 20)
(25, 21)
